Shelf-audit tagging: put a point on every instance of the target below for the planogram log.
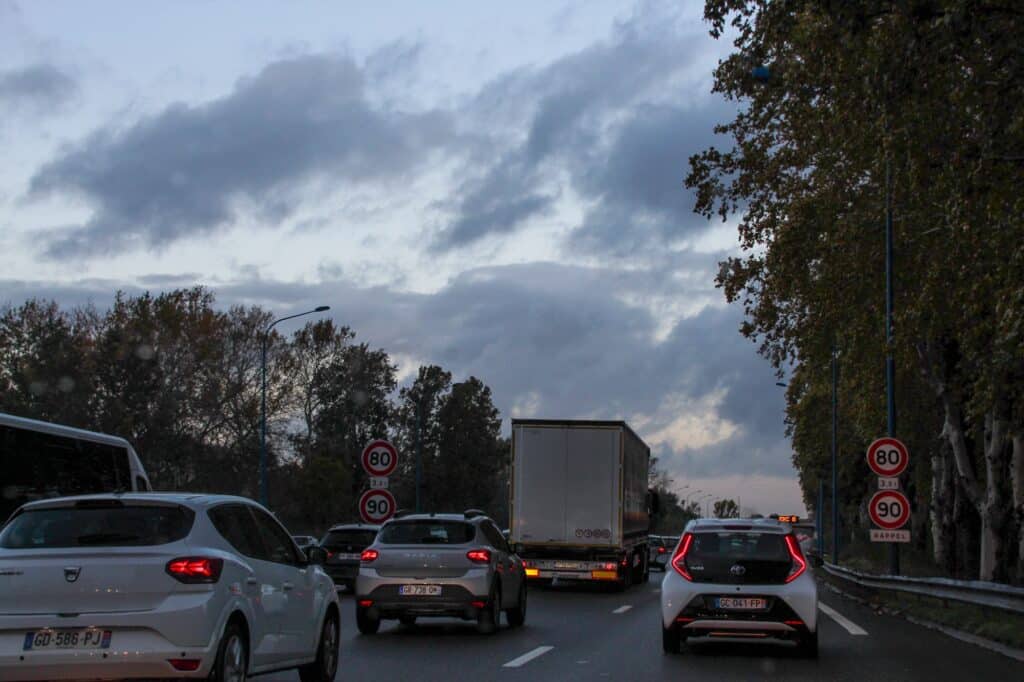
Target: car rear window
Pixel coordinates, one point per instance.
(349, 537)
(97, 526)
(760, 546)
(427, 533)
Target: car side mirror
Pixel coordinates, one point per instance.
(316, 555)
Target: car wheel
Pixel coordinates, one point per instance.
(488, 618)
(808, 645)
(325, 667)
(671, 642)
(408, 621)
(232, 662)
(517, 615)
(367, 624)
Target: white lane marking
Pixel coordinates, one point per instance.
(527, 657)
(847, 624)
(623, 609)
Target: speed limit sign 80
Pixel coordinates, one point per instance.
(889, 509)
(888, 457)
(379, 458)
(376, 506)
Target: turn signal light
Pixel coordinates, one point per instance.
(679, 560)
(799, 563)
(479, 556)
(369, 555)
(195, 569)
(532, 573)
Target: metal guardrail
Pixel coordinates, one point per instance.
(976, 592)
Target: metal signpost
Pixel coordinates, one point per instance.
(379, 460)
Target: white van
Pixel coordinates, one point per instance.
(40, 460)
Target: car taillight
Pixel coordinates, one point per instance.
(195, 569)
(679, 559)
(479, 556)
(799, 563)
(369, 555)
(661, 550)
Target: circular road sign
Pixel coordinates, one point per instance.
(379, 458)
(376, 506)
(889, 509)
(888, 457)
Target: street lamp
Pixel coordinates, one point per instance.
(263, 397)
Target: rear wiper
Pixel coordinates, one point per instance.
(97, 538)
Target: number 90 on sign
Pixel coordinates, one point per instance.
(889, 509)
(376, 506)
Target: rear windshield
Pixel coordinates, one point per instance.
(427, 533)
(106, 526)
(760, 546)
(353, 537)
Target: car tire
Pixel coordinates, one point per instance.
(489, 617)
(367, 624)
(407, 621)
(671, 640)
(232, 662)
(325, 667)
(517, 615)
(808, 645)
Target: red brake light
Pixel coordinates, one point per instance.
(799, 563)
(185, 664)
(679, 559)
(369, 555)
(195, 569)
(661, 550)
(479, 556)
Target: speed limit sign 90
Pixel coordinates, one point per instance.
(888, 457)
(379, 458)
(889, 509)
(376, 506)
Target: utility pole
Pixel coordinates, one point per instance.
(835, 455)
(890, 365)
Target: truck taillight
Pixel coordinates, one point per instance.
(679, 559)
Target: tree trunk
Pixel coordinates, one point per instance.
(994, 510)
(941, 507)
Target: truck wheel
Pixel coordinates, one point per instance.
(671, 643)
(517, 615)
(625, 581)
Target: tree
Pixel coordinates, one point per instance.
(726, 509)
(417, 426)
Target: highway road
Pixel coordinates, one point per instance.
(579, 634)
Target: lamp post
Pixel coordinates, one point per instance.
(263, 397)
(702, 498)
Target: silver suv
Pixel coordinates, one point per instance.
(455, 565)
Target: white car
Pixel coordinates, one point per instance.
(739, 580)
(160, 586)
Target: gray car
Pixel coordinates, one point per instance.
(453, 565)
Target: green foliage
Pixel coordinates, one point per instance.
(726, 509)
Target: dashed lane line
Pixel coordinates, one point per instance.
(847, 624)
(527, 657)
(623, 609)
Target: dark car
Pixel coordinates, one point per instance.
(345, 544)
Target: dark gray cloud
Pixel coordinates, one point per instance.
(37, 88)
(609, 119)
(182, 172)
(554, 341)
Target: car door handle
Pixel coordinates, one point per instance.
(286, 586)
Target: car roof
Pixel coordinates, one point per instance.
(755, 525)
(441, 517)
(192, 500)
(354, 526)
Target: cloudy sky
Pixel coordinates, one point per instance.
(495, 188)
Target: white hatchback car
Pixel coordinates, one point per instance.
(739, 580)
(160, 585)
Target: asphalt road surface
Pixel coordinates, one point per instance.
(575, 633)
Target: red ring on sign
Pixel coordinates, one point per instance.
(900, 467)
(364, 500)
(897, 496)
(368, 450)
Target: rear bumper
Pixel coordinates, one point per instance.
(793, 606)
(457, 598)
(117, 663)
(342, 573)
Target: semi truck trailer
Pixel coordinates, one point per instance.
(579, 506)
